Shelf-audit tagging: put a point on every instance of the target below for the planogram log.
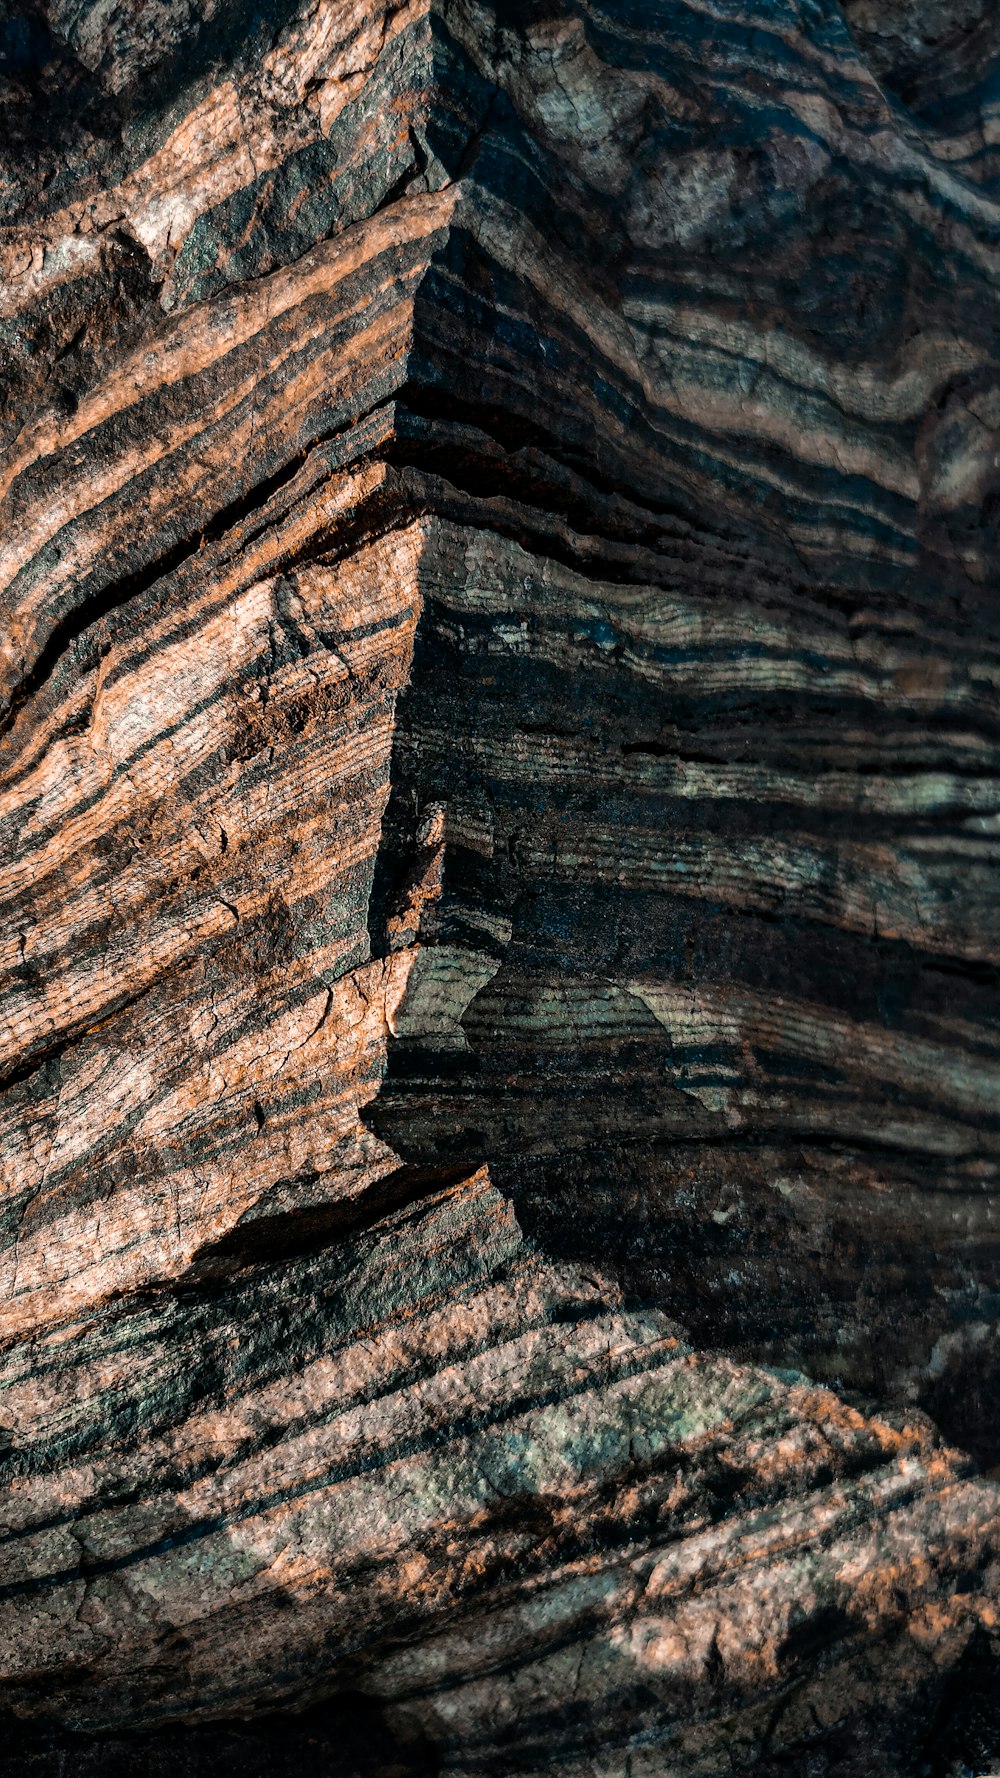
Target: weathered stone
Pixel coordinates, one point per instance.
(498, 733)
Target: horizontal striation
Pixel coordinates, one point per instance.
(670, 916)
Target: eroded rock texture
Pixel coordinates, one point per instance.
(499, 797)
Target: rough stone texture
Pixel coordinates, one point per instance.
(499, 808)
(532, 1523)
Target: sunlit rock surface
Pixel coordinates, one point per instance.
(499, 808)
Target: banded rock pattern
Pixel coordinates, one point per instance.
(519, 1515)
(498, 669)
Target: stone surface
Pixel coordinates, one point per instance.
(498, 914)
(532, 1523)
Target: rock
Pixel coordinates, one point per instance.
(476, 1488)
(499, 785)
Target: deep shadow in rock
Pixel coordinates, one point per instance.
(711, 1092)
(963, 1401)
(344, 1738)
(966, 1734)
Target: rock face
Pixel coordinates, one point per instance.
(499, 797)
(538, 1527)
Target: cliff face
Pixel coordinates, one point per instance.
(498, 786)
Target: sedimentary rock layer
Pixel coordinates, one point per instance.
(498, 667)
(517, 1514)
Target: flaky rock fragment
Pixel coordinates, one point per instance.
(498, 667)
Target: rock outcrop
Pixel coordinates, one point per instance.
(499, 791)
(533, 1524)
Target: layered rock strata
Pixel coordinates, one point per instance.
(498, 677)
(528, 1521)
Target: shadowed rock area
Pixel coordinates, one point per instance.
(499, 935)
